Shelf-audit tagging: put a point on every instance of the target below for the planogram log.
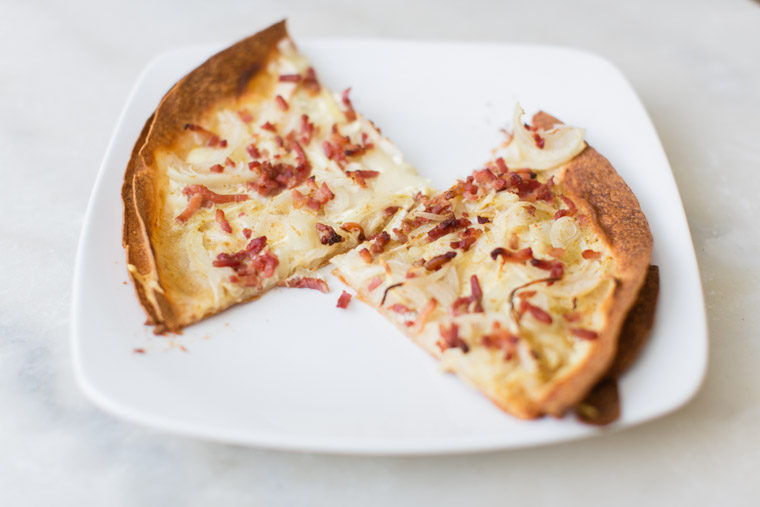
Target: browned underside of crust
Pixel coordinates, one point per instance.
(590, 177)
(223, 77)
(602, 404)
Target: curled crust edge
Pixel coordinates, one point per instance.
(222, 77)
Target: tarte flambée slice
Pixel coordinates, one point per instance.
(520, 277)
(248, 173)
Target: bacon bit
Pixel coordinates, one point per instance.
(388, 289)
(520, 256)
(557, 253)
(281, 103)
(448, 226)
(195, 202)
(310, 81)
(570, 211)
(527, 294)
(375, 283)
(317, 197)
(502, 166)
(139, 351)
(584, 334)
(501, 339)
(247, 233)
(274, 178)
(245, 115)
(213, 197)
(279, 141)
(217, 168)
(222, 221)
(450, 338)
(290, 78)
(268, 126)
(539, 141)
(343, 300)
(582, 220)
(471, 303)
(531, 210)
(556, 268)
(483, 220)
(327, 235)
(591, 254)
(537, 313)
(353, 226)
(364, 253)
(557, 271)
(229, 162)
(438, 261)
(361, 176)
(306, 130)
(572, 316)
(468, 238)
(250, 264)
(379, 241)
(422, 316)
(349, 112)
(489, 180)
(302, 282)
(253, 151)
(399, 308)
(212, 139)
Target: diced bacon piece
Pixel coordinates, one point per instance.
(374, 283)
(450, 338)
(303, 282)
(502, 166)
(256, 245)
(343, 300)
(449, 225)
(399, 308)
(217, 168)
(423, 316)
(483, 220)
(281, 103)
(253, 151)
(361, 177)
(502, 339)
(250, 265)
(222, 221)
(195, 202)
(364, 253)
(537, 313)
(557, 253)
(310, 81)
(471, 303)
(211, 139)
(591, 254)
(539, 141)
(572, 316)
(247, 233)
(290, 78)
(327, 235)
(353, 226)
(379, 241)
(468, 238)
(520, 256)
(268, 126)
(438, 261)
(306, 131)
(274, 178)
(349, 112)
(245, 115)
(213, 197)
(584, 334)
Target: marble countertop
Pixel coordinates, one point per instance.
(695, 66)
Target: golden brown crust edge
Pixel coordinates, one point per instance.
(616, 212)
(222, 77)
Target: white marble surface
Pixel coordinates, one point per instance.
(66, 69)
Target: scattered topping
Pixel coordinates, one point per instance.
(281, 103)
(195, 202)
(353, 226)
(520, 256)
(302, 282)
(364, 253)
(423, 316)
(245, 115)
(471, 303)
(316, 198)
(212, 140)
(570, 211)
(268, 126)
(217, 168)
(327, 235)
(483, 220)
(379, 241)
(375, 283)
(449, 225)
(468, 238)
(537, 313)
(399, 308)
(556, 268)
(502, 339)
(250, 264)
(584, 334)
(349, 112)
(591, 254)
(222, 221)
(572, 316)
(253, 151)
(202, 196)
(290, 78)
(343, 300)
(539, 140)
(306, 130)
(310, 81)
(274, 178)
(438, 261)
(247, 233)
(450, 338)
(361, 176)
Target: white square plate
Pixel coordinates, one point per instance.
(291, 371)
